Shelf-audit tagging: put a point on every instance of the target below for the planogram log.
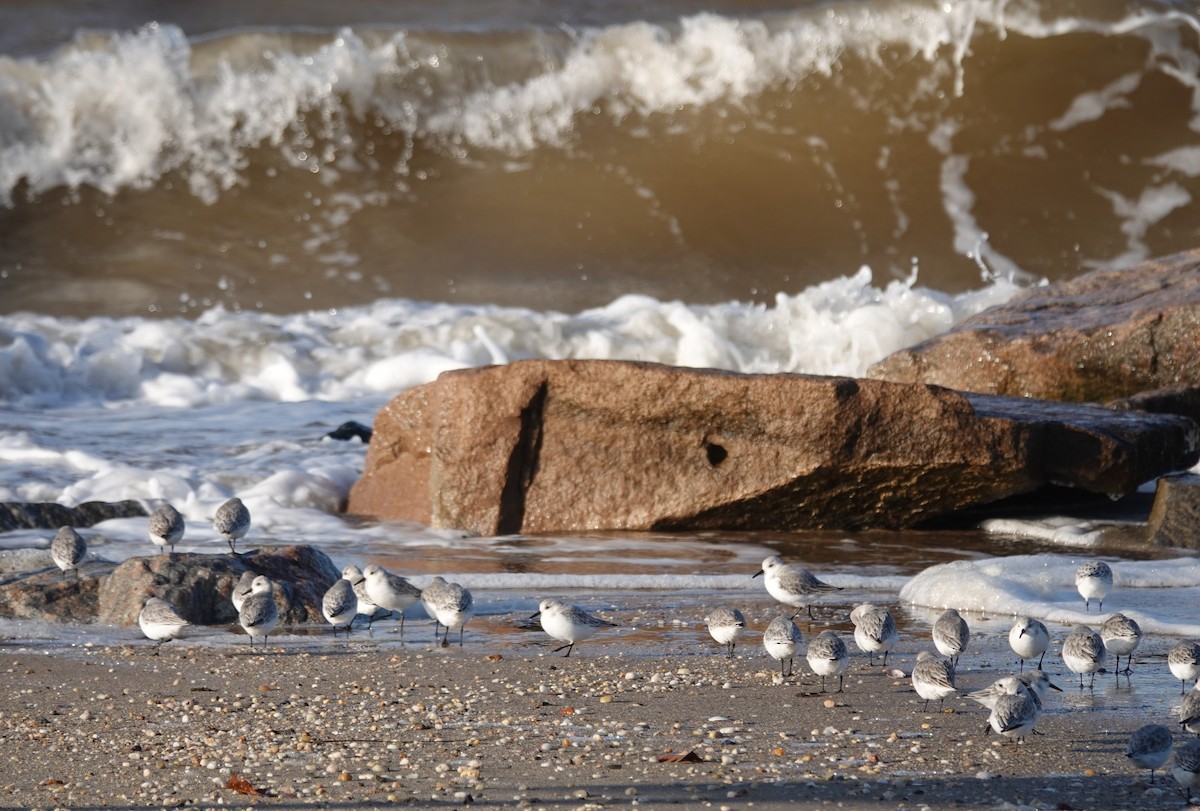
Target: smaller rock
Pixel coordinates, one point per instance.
(1183, 401)
(48, 515)
(1175, 517)
(351, 430)
(198, 586)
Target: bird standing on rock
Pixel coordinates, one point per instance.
(166, 527)
(232, 521)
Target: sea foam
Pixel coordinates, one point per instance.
(838, 327)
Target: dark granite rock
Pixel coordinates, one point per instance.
(1181, 400)
(47, 515)
(351, 430)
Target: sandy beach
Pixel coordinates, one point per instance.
(360, 724)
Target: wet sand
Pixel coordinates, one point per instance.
(362, 724)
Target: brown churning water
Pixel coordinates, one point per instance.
(511, 154)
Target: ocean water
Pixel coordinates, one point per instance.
(227, 228)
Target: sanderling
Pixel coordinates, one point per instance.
(166, 527)
(1121, 636)
(390, 591)
(232, 521)
(159, 621)
(1029, 638)
(1084, 652)
(1149, 747)
(1035, 681)
(725, 625)
(259, 614)
(1184, 661)
(782, 639)
(792, 585)
(450, 605)
(339, 605)
(1189, 711)
(933, 678)
(1186, 770)
(1038, 683)
(242, 590)
(1094, 580)
(827, 656)
(1015, 713)
(568, 623)
(951, 635)
(874, 631)
(68, 550)
(366, 606)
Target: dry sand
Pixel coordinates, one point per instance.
(362, 724)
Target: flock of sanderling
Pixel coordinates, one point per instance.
(1015, 702)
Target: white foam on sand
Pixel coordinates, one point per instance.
(1160, 595)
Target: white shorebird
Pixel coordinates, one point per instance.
(259, 614)
(1029, 638)
(792, 585)
(1015, 713)
(232, 521)
(1121, 636)
(166, 527)
(339, 606)
(933, 678)
(568, 623)
(161, 622)
(951, 635)
(828, 656)
(390, 591)
(1083, 651)
(1189, 710)
(1186, 770)
(449, 604)
(366, 606)
(242, 590)
(725, 625)
(782, 639)
(68, 550)
(1184, 662)
(1036, 681)
(1094, 580)
(1149, 747)
(874, 631)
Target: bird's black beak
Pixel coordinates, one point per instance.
(535, 614)
(1022, 633)
(1054, 686)
(756, 574)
